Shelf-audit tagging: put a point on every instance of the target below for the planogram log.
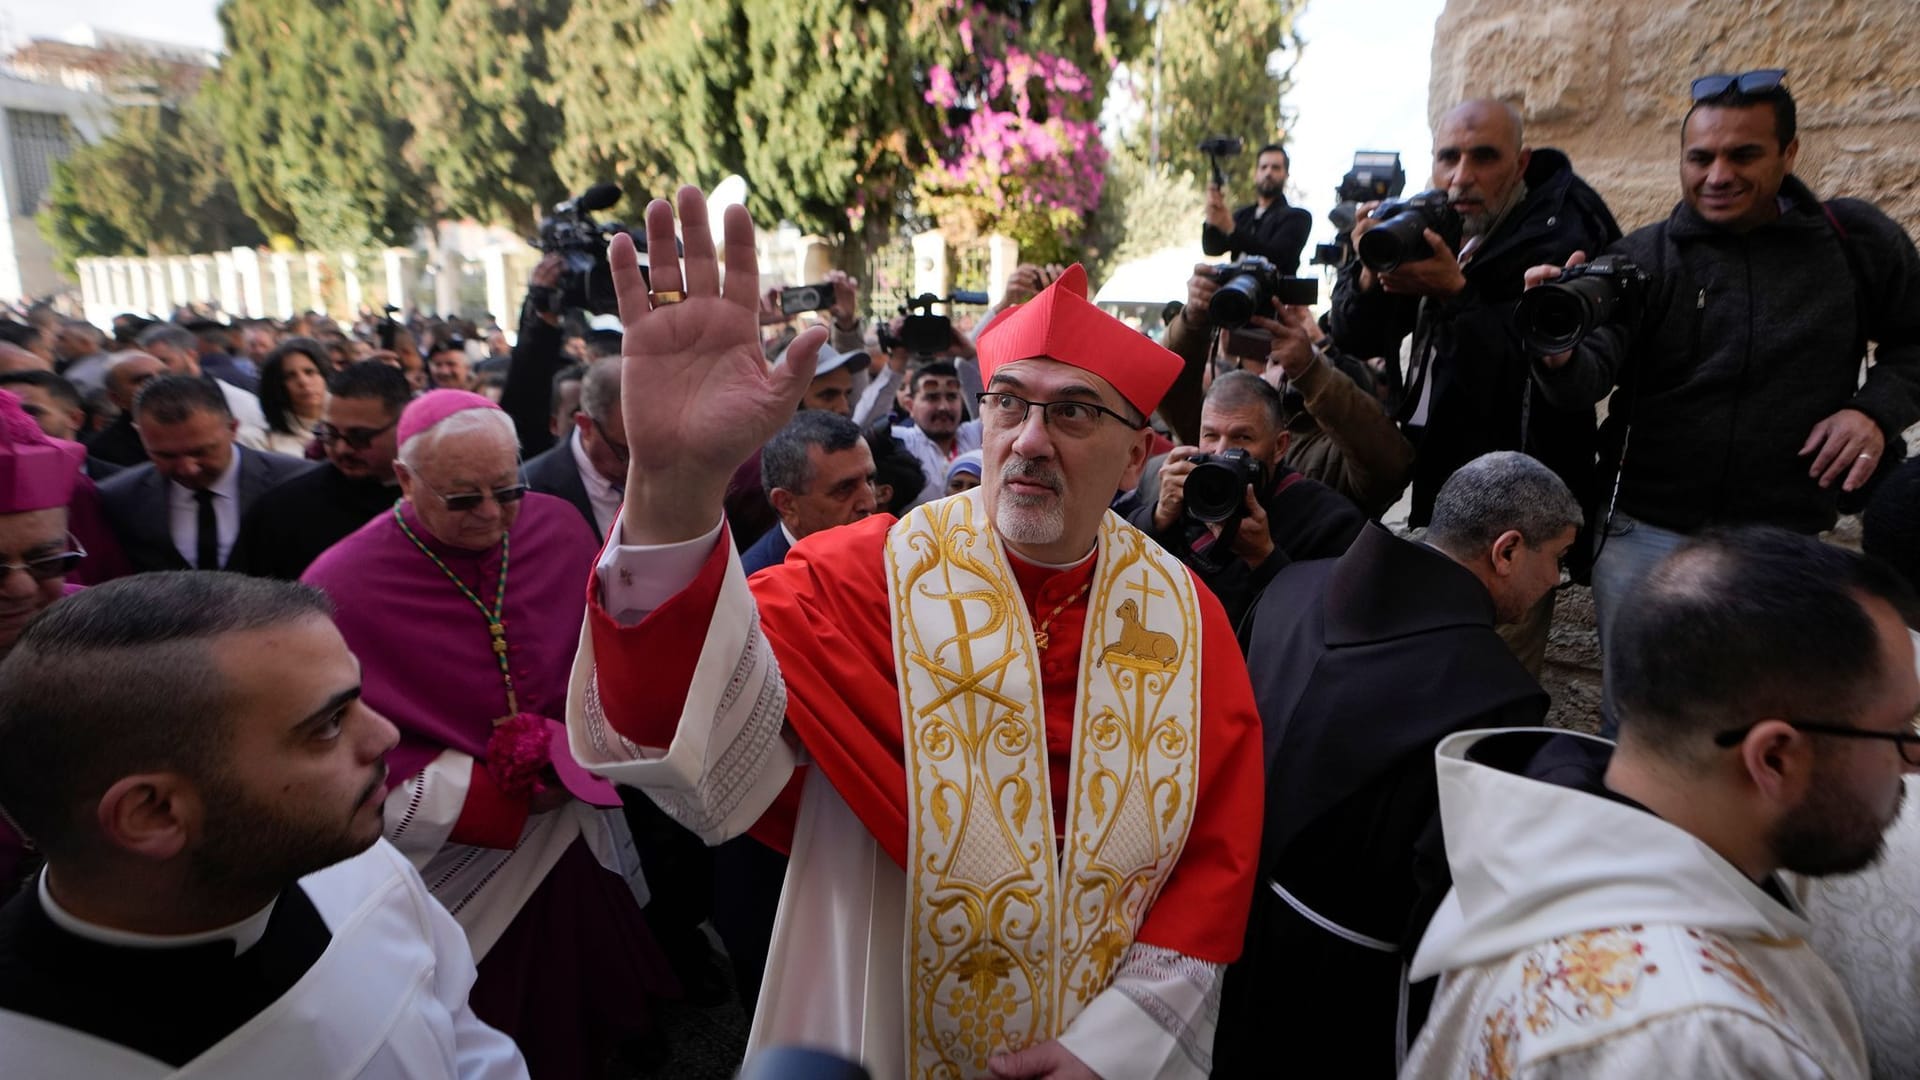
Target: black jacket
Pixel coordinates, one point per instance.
(118, 443)
(528, 395)
(1480, 401)
(1307, 519)
(293, 524)
(1277, 235)
(136, 505)
(556, 473)
(1747, 341)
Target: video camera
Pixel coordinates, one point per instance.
(1249, 287)
(1400, 235)
(1552, 318)
(587, 279)
(923, 333)
(1376, 175)
(1217, 147)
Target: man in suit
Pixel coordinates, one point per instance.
(182, 509)
(818, 473)
(588, 468)
(291, 525)
(176, 347)
(118, 443)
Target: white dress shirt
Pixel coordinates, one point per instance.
(184, 513)
(601, 492)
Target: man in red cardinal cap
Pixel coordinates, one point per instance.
(1028, 737)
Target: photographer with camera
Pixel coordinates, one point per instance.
(1445, 267)
(1267, 227)
(1339, 434)
(1740, 398)
(1231, 509)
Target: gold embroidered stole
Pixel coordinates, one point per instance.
(1008, 937)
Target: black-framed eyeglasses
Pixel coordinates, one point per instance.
(1758, 81)
(49, 567)
(620, 450)
(357, 437)
(1073, 419)
(470, 500)
(1908, 741)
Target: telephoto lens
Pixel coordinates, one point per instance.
(1554, 317)
(1400, 236)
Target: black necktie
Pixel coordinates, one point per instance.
(209, 542)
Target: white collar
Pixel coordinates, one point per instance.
(599, 488)
(244, 934)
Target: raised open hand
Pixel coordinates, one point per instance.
(698, 396)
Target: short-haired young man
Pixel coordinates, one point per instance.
(191, 754)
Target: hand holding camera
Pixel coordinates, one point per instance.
(1221, 491)
(1292, 333)
(1218, 215)
(1409, 245)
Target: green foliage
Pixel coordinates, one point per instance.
(830, 115)
(306, 99)
(473, 86)
(645, 94)
(1145, 208)
(1214, 78)
(157, 185)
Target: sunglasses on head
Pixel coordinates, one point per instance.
(359, 437)
(1758, 81)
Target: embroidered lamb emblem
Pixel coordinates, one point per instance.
(1137, 643)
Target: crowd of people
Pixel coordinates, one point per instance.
(1034, 698)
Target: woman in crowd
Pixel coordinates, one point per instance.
(293, 390)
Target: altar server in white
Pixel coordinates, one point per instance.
(1622, 915)
(190, 753)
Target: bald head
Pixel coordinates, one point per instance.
(128, 372)
(1491, 116)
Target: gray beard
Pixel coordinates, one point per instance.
(1037, 525)
(1482, 225)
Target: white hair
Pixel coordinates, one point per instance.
(422, 443)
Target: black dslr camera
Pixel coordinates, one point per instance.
(923, 333)
(1376, 175)
(1216, 492)
(1217, 147)
(1249, 287)
(587, 280)
(1552, 318)
(1398, 238)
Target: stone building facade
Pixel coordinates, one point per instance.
(1607, 83)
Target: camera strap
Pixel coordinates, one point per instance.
(1857, 274)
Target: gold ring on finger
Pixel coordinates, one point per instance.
(668, 296)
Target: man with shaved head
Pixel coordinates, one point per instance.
(1467, 386)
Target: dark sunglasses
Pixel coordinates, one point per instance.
(1758, 81)
(471, 500)
(49, 567)
(358, 437)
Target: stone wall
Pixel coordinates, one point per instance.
(1607, 83)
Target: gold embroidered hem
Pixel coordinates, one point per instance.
(1007, 939)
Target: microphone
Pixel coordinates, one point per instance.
(598, 197)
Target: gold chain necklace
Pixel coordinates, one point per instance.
(1040, 639)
